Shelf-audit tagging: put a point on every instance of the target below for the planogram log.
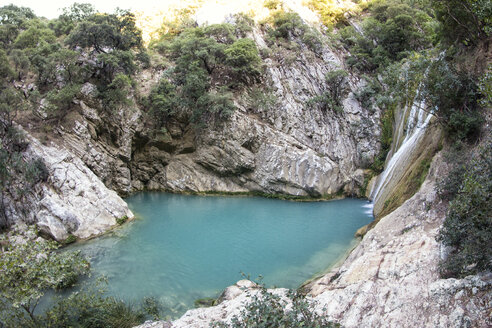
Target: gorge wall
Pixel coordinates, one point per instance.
(293, 147)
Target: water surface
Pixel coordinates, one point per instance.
(188, 247)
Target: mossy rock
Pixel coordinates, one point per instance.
(122, 220)
(205, 302)
(69, 240)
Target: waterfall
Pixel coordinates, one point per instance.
(415, 127)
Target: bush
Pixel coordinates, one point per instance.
(464, 21)
(121, 220)
(269, 310)
(336, 86)
(242, 56)
(117, 92)
(163, 101)
(467, 229)
(91, 309)
(455, 96)
(289, 27)
(394, 31)
(101, 31)
(28, 270)
(60, 101)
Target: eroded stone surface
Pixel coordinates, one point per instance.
(72, 201)
(292, 148)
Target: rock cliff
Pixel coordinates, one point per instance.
(291, 148)
(73, 200)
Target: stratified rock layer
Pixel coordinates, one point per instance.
(72, 201)
(291, 148)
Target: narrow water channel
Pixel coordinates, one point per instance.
(187, 247)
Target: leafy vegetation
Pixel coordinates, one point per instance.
(464, 21)
(210, 62)
(28, 270)
(270, 310)
(336, 86)
(287, 28)
(394, 30)
(467, 229)
(32, 267)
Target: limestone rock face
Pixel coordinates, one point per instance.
(291, 147)
(73, 200)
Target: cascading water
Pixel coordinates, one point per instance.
(408, 145)
(415, 127)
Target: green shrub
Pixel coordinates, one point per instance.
(163, 101)
(289, 28)
(91, 309)
(60, 100)
(464, 21)
(152, 307)
(455, 96)
(28, 270)
(269, 310)
(331, 98)
(243, 24)
(69, 240)
(467, 229)
(33, 36)
(242, 56)
(393, 31)
(99, 31)
(115, 95)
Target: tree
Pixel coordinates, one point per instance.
(6, 72)
(242, 56)
(70, 16)
(331, 98)
(116, 94)
(115, 62)
(29, 269)
(467, 228)
(79, 11)
(465, 21)
(14, 15)
(33, 36)
(106, 32)
(21, 62)
(194, 46)
(455, 96)
(60, 100)
(163, 101)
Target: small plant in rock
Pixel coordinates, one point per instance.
(267, 309)
(70, 240)
(121, 220)
(331, 98)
